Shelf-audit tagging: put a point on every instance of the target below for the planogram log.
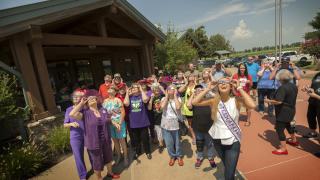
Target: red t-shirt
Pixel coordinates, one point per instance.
(103, 90)
(243, 80)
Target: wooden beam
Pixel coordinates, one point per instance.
(150, 47)
(25, 65)
(126, 24)
(41, 68)
(102, 27)
(146, 59)
(62, 39)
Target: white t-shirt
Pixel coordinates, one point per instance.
(170, 115)
(219, 129)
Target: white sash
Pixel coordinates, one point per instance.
(230, 123)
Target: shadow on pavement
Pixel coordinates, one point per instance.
(271, 137)
(186, 148)
(310, 145)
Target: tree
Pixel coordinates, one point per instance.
(315, 23)
(198, 37)
(8, 100)
(218, 42)
(174, 52)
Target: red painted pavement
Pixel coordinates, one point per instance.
(256, 160)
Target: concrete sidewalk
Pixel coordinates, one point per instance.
(143, 169)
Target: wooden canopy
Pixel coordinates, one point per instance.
(67, 30)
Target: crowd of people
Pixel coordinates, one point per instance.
(208, 103)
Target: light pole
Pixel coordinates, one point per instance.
(275, 30)
(280, 28)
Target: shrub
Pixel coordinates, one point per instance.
(59, 140)
(8, 98)
(20, 162)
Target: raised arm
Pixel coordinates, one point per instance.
(274, 72)
(246, 99)
(145, 98)
(164, 102)
(260, 73)
(189, 103)
(150, 102)
(198, 100)
(296, 72)
(183, 88)
(176, 101)
(126, 100)
(75, 112)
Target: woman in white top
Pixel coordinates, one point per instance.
(225, 130)
(170, 106)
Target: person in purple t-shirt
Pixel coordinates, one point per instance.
(136, 100)
(76, 135)
(96, 132)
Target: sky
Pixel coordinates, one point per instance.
(246, 23)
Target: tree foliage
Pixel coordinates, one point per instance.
(315, 23)
(199, 39)
(174, 52)
(218, 42)
(8, 94)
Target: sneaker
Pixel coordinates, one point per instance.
(180, 161)
(311, 135)
(136, 156)
(212, 163)
(198, 163)
(172, 161)
(160, 149)
(149, 156)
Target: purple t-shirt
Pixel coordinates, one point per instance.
(138, 115)
(74, 132)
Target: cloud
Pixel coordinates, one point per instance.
(236, 8)
(241, 31)
(230, 8)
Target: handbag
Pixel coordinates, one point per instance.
(183, 129)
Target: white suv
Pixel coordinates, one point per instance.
(295, 57)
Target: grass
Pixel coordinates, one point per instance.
(271, 51)
(310, 67)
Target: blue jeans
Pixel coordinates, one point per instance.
(204, 140)
(263, 93)
(172, 140)
(229, 155)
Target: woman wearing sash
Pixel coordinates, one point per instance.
(187, 90)
(225, 130)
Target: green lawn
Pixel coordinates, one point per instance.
(272, 51)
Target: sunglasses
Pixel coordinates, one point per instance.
(224, 81)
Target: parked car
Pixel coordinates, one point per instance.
(207, 63)
(294, 56)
